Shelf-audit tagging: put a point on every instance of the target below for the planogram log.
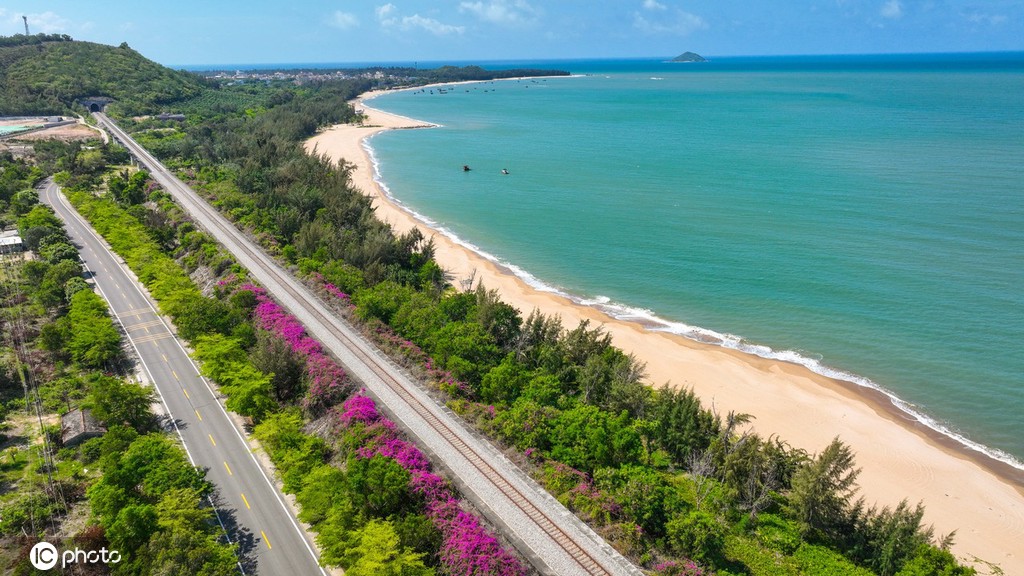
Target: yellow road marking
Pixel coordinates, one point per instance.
(198, 415)
(186, 393)
(212, 441)
(164, 356)
(267, 540)
(175, 374)
(228, 468)
(246, 501)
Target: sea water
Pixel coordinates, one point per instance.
(861, 216)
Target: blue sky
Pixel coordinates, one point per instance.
(262, 31)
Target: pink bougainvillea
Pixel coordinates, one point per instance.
(359, 408)
(328, 383)
(468, 548)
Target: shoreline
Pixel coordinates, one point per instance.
(901, 456)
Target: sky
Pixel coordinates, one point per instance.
(211, 32)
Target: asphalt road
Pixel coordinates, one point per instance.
(551, 537)
(248, 505)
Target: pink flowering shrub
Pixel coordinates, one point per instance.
(328, 383)
(577, 492)
(468, 548)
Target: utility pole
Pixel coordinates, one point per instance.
(25, 18)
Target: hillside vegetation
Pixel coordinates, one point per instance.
(48, 74)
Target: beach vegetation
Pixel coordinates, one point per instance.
(822, 489)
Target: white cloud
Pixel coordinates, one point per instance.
(893, 10)
(343, 20)
(680, 24)
(389, 18)
(990, 19)
(654, 5)
(384, 13)
(504, 12)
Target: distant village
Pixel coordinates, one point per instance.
(305, 76)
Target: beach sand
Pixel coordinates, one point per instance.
(979, 497)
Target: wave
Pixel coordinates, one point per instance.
(651, 321)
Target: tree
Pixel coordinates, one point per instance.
(94, 339)
(247, 388)
(696, 534)
(642, 492)
(466, 349)
(132, 527)
(324, 488)
(196, 315)
(683, 425)
(505, 382)
(50, 293)
(589, 438)
(885, 540)
(116, 401)
(499, 319)
(178, 550)
(822, 488)
(378, 552)
(274, 357)
(379, 486)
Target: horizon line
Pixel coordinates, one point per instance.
(356, 64)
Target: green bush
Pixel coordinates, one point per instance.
(696, 534)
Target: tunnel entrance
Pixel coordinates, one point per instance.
(96, 103)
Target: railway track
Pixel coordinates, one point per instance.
(602, 561)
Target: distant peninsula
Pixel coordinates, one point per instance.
(689, 57)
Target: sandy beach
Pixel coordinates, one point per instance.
(979, 497)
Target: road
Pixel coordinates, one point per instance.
(550, 536)
(247, 504)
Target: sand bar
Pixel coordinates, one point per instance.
(981, 498)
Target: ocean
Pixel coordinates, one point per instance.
(863, 216)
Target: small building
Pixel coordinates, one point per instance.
(10, 242)
(78, 426)
(175, 117)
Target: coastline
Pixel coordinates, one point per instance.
(963, 489)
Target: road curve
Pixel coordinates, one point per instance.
(248, 505)
(550, 536)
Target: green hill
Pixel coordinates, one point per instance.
(47, 74)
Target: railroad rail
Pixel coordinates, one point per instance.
(591, 556)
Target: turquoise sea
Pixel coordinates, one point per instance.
(863, 216)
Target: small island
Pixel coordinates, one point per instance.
(689, 57)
